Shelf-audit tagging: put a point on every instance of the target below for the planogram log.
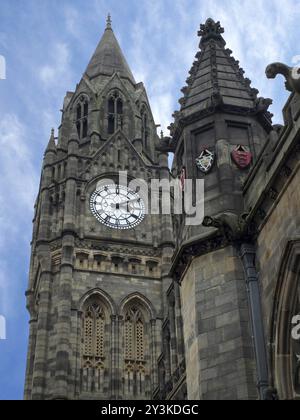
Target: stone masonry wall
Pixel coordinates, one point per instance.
(282, 226)
(219, 349)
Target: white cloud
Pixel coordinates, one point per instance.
(3, 40)
(5, 290)
(162, 108)
(259, 33)
(72, 19)
(19, 181)
(17, 172)
(57, 71)
(163, 44)
(153, 61)
(49, 119)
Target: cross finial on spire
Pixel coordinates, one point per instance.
(108, 21)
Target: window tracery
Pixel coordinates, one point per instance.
(115, 113)
(135, 360)
(82, 111)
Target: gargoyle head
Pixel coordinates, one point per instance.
(272, 71)
(207, 221)
(211, 222)
(277, 68)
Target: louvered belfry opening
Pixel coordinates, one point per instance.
(94, 347)
(135, 375)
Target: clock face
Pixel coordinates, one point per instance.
(117, 207)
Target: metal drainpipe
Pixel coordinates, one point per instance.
(248, 255)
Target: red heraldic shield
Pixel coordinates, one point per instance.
(242, 157)
(182, 178)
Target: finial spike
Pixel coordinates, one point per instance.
(108, 22)
(211, 30)
(51, 145)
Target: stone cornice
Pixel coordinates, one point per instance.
(109, 246)
(195, 248)
(181, 121)
(225, 229)
(274, 170)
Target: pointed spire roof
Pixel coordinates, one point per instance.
(108, 57)
(74, 133)
(51, 145)
(216, 79)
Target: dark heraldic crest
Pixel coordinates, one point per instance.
(205, 161)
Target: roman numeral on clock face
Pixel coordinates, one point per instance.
(117, 207)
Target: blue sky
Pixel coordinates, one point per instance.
(47, 45)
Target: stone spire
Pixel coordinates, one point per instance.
(74, 133)
(217, 81)
(108, 22)
(108, 57)
(51, 145)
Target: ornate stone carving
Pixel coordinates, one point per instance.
(291, 74)
(211, 30)
(95, 246)
(206, 160)
(195, 250)
(263, 104)
(242, 156)
(232, 226)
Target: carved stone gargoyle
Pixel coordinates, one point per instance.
(263, 104)
(291, 74)
(234, 227)
(165, 145)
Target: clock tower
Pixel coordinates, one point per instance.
(100, 262)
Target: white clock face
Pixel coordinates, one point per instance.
(117, 207)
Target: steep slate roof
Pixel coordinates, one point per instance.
(216, 76)
(108, 57)
(216, 84)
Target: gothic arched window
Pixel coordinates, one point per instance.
(286, 349)
(93, 336)
(136, 341)
(115, 113)
(145, 127)
(82, 112)
(94, 346)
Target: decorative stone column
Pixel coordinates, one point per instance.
(40, 352)
(63, 373)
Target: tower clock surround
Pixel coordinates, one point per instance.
(117, 207)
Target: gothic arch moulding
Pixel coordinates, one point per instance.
(95, 342)
(116, 84)
(80, 97)
(81, 115)
(117, 108)
(140, 299)
(107, 300)
(285, 351)
(137, 347)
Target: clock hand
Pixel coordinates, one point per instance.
(129, 201)
(119, 206)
